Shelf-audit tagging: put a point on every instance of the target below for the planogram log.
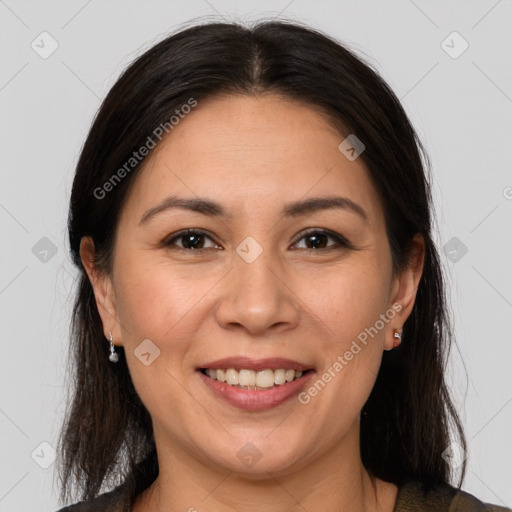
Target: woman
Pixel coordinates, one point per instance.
(260, 322)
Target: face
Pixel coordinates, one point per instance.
(256, 279)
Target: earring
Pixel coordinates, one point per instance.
(113, 355)
(397, 339)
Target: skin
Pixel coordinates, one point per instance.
(253, 155)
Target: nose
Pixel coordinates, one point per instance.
(258, 297)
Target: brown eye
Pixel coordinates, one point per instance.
(190, 239)
(315, 240)
(318, 240)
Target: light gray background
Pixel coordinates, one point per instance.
(461, 107)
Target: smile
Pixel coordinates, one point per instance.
(253, 396)
(250, 379)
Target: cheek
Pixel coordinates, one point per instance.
(165, 303)
(348, 300)
(351, 350)
(357, 297)
(153, 297)
(349, 305)
(154, 305)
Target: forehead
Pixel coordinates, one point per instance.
(247, 152)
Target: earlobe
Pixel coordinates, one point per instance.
(397, 339)
(102, 288)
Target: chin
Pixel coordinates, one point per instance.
(253, 463)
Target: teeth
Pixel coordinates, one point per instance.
(231, 377)
(249, 379)
(279, 377)
(265, 379)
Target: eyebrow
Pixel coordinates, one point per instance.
(295, 209)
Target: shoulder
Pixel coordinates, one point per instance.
(412, 496)
(468, 502)
(112, 501)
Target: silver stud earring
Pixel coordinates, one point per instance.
(397, 339)
(113, 355)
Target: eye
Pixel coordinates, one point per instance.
(317, 239)
(190, 238)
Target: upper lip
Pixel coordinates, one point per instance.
(243, 362)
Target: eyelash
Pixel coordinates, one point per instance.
(339, 239)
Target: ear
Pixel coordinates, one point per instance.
(405, 287)
(103, 291)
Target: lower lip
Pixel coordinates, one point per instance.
(256, 400)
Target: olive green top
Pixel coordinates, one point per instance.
(446, 498)
(410, 498)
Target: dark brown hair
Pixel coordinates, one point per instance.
(407, 422)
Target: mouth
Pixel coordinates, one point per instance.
(260, 380)
(255, 385)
